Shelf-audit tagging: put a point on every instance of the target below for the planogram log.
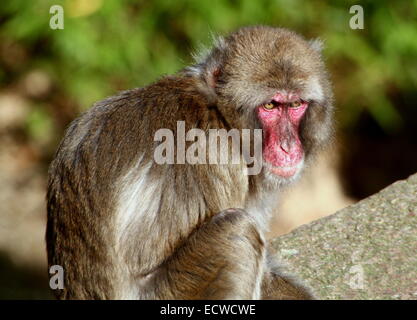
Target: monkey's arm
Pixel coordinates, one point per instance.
(223, 259)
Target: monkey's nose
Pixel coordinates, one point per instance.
(286, 146)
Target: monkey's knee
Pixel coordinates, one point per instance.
(229, 257)
(235, 228)
(237, 222)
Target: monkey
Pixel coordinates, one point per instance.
(125, 227)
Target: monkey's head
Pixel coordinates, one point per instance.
(277, 81)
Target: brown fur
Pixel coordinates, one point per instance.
(191, 248)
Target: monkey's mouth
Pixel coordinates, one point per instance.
(286, 171)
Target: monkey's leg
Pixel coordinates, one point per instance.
(223, 259)
(279, 286)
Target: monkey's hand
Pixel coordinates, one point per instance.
(223, 259)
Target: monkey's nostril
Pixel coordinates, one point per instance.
(286, 147)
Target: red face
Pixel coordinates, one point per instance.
(282, 148)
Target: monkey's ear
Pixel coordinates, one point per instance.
(209, 63)
(316, 44)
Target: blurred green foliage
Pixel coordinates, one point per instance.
(108, 46)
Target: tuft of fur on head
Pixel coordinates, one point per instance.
(317, 44)
(201, 56)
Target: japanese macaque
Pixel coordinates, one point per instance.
(125, 227)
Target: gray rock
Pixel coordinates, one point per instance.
(365, 251)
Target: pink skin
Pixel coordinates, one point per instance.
(282, 147)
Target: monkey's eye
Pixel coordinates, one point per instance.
(269, 106)
(295, 104)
